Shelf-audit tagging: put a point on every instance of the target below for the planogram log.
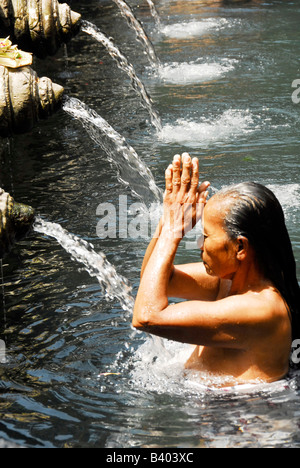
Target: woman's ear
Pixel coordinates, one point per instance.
(242, 247)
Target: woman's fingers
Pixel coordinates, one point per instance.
(169, 179)
(184, 199)
(186, 173)
(195, 176)
(203, 193)
(176, 173)
(182, 178)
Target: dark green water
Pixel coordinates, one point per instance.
(225, 95)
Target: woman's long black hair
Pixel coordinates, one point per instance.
(256, 214)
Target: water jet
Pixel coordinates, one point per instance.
(131, 170)
(127, 67)
(137, 27)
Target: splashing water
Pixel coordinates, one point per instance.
(158, 365)
(137, 27)
(132, 171)
(289, 198)
(96, 264)
(188, 73)
(192, 28)
(124, 65)
(229, 125)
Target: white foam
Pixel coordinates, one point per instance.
(158, 365)
(192, 28)
(188, 73)
(230, 124)
(289, 197)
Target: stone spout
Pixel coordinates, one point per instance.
(15, 222)
(38, 26)
(24, 99)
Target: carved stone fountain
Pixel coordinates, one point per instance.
(24, 98)
(38, 26)
(15, 221)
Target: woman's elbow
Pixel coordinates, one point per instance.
(140, 319)
(138, 325)
(147, 315)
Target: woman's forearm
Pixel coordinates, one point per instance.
(151, 246)
(184, 202)
(152, 295)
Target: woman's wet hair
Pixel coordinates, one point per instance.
(255, 213)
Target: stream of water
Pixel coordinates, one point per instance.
(137, 27)
(123, 63)
(132, 172)
(73, 372)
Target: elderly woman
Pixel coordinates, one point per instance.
(242, 303)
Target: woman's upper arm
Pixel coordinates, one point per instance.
(191, 282)
(231, 322)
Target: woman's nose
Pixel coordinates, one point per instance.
(200, 242)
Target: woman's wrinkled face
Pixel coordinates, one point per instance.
(218, 250)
